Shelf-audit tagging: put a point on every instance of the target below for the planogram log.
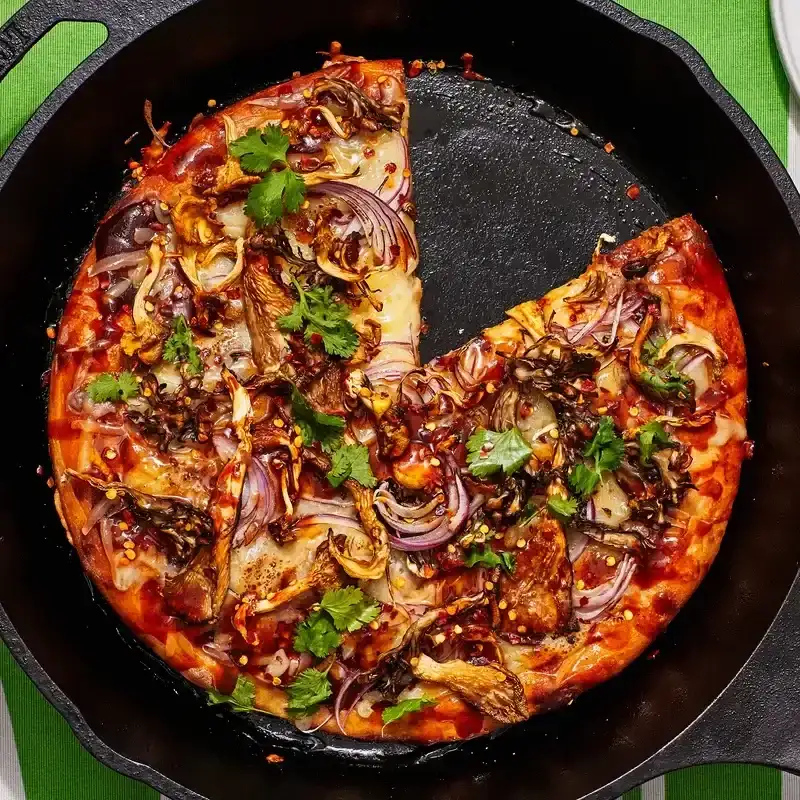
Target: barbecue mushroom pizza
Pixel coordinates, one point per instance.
(276, 496)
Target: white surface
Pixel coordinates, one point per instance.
(11, 787)
(786, 24)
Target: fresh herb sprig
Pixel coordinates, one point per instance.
(323, 320)
(280, 189)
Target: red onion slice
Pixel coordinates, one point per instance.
(458, 506)
(590, 604)
(383, 495)
(133, 258)
(331, 520)
(576, 543)
(259, 494)
(382, 226)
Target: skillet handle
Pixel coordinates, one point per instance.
(124, 19)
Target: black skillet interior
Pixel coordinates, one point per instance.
(510, 204)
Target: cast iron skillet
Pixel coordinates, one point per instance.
(510, 204)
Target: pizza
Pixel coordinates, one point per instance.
(278, 498)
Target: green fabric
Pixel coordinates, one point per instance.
(734, 36)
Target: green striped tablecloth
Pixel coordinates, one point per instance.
(39, 757)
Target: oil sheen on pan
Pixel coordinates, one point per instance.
(298, 515)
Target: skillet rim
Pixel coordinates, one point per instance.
(125, 28)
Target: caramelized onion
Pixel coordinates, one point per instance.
(605, 596)
(133, 258)
(384, 229)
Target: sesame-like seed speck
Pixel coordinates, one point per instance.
(451, 610)
(520, 543)
(430, 426)
(285, 124)
(634, 412)
(211, 103)
(306, 204)
(123, 526)
(490, 388)
(451, 548)
(484, 528)
(298, 441)
(602, 409)
(51, 332)
(50, 483)
(512, 615)
(383, 78)
(628, 614)
(276, 681)
(439, 638)
(270, 595)
(413, 661)
(278, 422)
(521, 629)
(365, 391)
(111, 454)
(399, 582)
(502, 605)
(574, 131)
(298, 429)
(554, 433)
(457, 629)
(488, 586)
(406, 173)
(435, 462)
(164, 206)
(130, 554)
(611, 561)
(111, 494)
(148, 306)
(580, 585)
(243, 660)
(148, 392)
(306, 93)
(128, 544)
(374, 625)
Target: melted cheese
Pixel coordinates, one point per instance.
(725, 430)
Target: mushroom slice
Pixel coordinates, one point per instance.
(224, 505)
(374, 565)
(325, 574)
(491, 689)
(185, 524)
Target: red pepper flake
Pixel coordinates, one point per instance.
(274, 758)
(391, 167)
(40, 471)
(50, 483)
(336, 48)
(315, 339)
(469, 73)
(51, 332)
(525, 410)
(574, 131)
(414, 68)
(395, 251)
(368, 152)
(748, 448)
(633, 191)
(609, 148)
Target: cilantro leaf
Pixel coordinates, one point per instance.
(351, 461)
(650, 348)
(393, 713)
(489, 452)
(258, 150)
(528, 512)
(488, 558)
(308, 690)
(316, 635)
(583, 480)
(652, 437)
(180, 347)
(606, 447)
(349, 608)
(323, 317)
(276, 193)
(242, 698)
(667, 384)
(105, 388)
(314, 425)
(562, 507)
